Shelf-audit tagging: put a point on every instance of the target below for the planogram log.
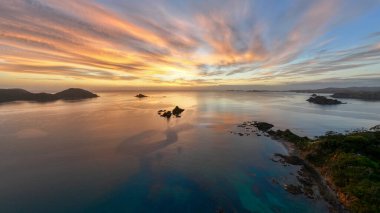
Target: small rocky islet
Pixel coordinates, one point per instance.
(177, 111)
(322, 100)
(252, 127)
(141, 96)
(366, 95)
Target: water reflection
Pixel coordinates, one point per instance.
(115, 154)
(150, 141)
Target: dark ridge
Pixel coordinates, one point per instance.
(370, 96)
(75, 94)
(339, 90)
(177, 111)
(262, 126)
(322, 100)
(9, 95)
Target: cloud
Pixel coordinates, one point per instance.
(184, 43)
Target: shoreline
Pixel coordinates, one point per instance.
(329, 194)
(341, 169)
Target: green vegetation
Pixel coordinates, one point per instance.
(300, 142)
(351, 163)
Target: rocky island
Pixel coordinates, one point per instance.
(168, 114)
(262, 126)
(9, 95)
(141, 96)
(361, 93)
(322, 100)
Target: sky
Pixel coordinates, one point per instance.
(190, 44)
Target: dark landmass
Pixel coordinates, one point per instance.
(339, 90)
(289, 136)
(164, 113)
(310, 182)
(252, 127)
(361, 93)
(256, 90)
(322, 100)
(168, 114)
(375, 128)
(349, 164)
(141, 96)
(177, 111)
(329, 90)
(369, 96)
(262, 126)
(9, 95)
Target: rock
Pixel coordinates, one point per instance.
(293, 160)
(177, 111)
(293, 189)
(167, 114)
(289, 136)
(322, 100)
(263, 126)
(141, 96)
(375, 128)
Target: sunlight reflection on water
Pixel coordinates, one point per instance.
(115, 154)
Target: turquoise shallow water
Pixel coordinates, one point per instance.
(115, 154)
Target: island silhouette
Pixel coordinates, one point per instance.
(10, 95)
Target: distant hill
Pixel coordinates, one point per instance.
(339, 90)
(362, 93)
(369, 96)
(9, 95)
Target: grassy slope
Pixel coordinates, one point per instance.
(350, 163)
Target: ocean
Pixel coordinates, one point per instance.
(116, 154)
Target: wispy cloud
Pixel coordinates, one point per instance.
(181, 42)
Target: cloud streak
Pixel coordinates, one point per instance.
(185, 43)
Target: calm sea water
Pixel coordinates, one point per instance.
(115, 154)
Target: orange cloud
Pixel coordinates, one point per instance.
(206, 43)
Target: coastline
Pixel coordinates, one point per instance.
(345, 166)
(309, 175)
(329, 193)
(342, 169)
